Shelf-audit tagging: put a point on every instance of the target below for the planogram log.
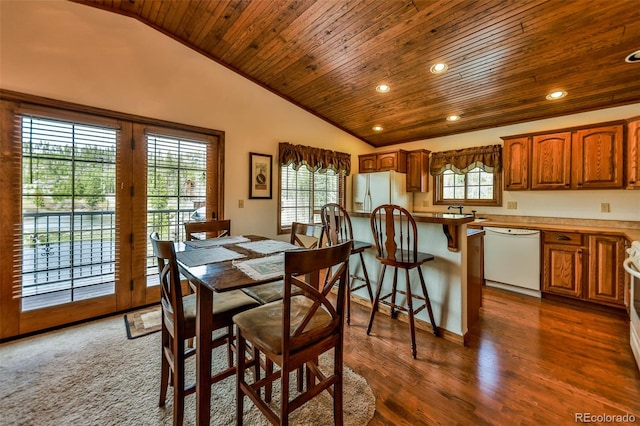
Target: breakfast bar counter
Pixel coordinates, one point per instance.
(450, 224)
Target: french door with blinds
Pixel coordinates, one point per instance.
(85, 192)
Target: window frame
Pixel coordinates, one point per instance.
(496, 201)
(131, 280)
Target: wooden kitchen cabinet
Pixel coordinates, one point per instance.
(584, 266)
(597, 157)
(577, 158)
(383, 161)
(551, 161)
(563, 264)
(418, 171)
(367, 163)
(633, 153)
(605, 275)
(516, 153)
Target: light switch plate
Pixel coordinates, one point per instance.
(240, 204)
(512, 205)
(605, 208)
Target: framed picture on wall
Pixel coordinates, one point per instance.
(260, 176)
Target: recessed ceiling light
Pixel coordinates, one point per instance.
(438, 68)
(556, 95)
(377, 128)
(382, 88)
(633, 57)
(453, 118)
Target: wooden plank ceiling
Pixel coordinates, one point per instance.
(328, 56)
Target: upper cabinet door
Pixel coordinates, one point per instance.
(516, 153)
(633, 154)
(551, 165)
(418, 171)
(367, 163)
(597, 157)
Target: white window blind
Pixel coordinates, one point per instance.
(68, 211)
(176, 187)
(303, 193)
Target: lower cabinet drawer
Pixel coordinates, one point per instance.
(555, 237)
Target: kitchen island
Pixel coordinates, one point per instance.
(447, 277)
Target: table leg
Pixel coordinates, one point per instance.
(204, 328)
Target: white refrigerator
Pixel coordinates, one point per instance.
(373, 189)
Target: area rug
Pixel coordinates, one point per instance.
(143, 321)
(92, 375)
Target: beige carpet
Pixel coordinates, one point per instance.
(93, 375)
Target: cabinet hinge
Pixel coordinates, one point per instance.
(132, 190)
(131, 285)
(131, 238)
(133, 144)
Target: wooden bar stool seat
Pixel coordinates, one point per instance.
(396, 238)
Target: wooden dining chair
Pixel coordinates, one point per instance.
(338, 229)
(396, 238)
(295, 331)
(179, 324)
(212, 228)
(305, 235)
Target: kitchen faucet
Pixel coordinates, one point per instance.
(456, 207)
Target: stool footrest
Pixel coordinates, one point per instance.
(401, 307)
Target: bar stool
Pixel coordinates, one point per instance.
(396, 238)
(338, 230)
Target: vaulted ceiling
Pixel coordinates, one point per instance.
(328, 56)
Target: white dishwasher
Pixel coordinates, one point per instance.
(512, 259)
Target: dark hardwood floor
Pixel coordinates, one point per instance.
(528, 361)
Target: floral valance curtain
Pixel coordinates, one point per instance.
(315, 159)
(488, 158)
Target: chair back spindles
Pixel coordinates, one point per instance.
(337, 223)
(396, 237)
(395, 233)
(338, 229)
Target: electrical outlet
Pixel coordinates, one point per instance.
(605, 208)
(241, 204)
(512, 205)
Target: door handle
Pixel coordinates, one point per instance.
(563, 238)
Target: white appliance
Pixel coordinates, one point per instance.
(632, 265)
(512, 259)
(373, 189)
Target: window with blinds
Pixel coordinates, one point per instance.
(176, 188)
(68, 211)
(303, 193)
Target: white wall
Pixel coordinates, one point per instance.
(80, 54)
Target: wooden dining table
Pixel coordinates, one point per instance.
(210, 279)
